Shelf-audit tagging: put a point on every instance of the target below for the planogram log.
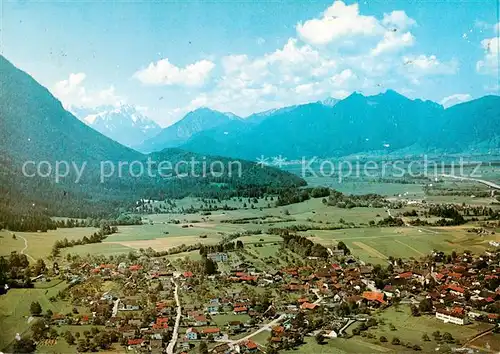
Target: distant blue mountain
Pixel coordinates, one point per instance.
(194, 122)
(357, 123)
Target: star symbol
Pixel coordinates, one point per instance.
(262, 161)
(279, 161)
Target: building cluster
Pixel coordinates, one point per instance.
(457, 290)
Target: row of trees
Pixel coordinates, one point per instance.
(304, 246)
(96, 237)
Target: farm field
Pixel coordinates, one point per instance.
(490, 342)
(375, 245)
(40, 243)
(411, 329)
(15, 309)
(9, 244)
(222, 320)
(339, 346)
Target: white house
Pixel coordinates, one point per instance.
(451, 317)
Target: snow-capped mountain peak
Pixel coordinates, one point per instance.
(125, 123)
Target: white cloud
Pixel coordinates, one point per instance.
(341, 79)
(165, 73)
(338, 21)
(393, 41)
(338, 52)
(398, 20)
(428, 65)
(455, 99)
(489, 64)
(72, 92)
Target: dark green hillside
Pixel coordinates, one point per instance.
(34, 127)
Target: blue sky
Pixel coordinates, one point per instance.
(168, 58)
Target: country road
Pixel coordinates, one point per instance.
(266, 327)
(488, 183)
(25, 247)
(175, 334)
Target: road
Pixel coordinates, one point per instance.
(25, 247)
(488, 183)
(175, 334)
(316, 292)
(266, 327)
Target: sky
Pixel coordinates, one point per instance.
(169, 58)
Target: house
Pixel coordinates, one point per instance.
(135, 267)
(374, 297)
(215, 332)
(58, 319)
(455, 290)
(191, 334)
(214, 306)
(337, 252)
(250, 346)
(240, 310)
(135, 342)
(187, 274)
(308, 306)
(128, 305)
(127, 332)
(456, 316)
(161, 324)
(200, 320)
(218, 257)
(107, 297)
(85, 319)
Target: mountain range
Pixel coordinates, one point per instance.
(194, 122)
(385, 123)
(124, 123)
(34, 127)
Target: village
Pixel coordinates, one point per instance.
(226, 302)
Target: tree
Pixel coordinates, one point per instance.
(70, 339)
(383, 339)
(48, 314)
(103, 340)
(35, 308)
(40, 267)
(414, 311)
(271, 350)
(320, 338)
(395, 341)
(38, 329)
(24, 345)
(82, 346)
(425, 337)
(447, 337)
(53, 333)
(203, 348)
(210, 267)
(425, 305)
